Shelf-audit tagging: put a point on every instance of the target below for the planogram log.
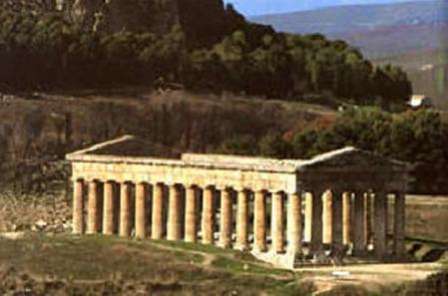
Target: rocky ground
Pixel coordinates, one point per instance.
(49, 213)
(38, 256)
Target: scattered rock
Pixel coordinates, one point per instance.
(13, 235)
(41, 224)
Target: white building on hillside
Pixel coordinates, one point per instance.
(420, 101)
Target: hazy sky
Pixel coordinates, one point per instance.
(257, 7)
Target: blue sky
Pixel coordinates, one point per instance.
(257, 7)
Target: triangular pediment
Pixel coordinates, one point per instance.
(350, 157)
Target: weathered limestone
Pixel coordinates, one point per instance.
(78, 207)
(157, 212)
(346, 218)
(174, 220)
(380, 226)
(242, 222)
(316, 227)
(294, 223)
(331, 220)
(108, 209)
(399, 225)
(327, 217)
(277, 226)
(260, 221)
(93, 211)
(140, 211)
(308, 216)
(359, 236)
(207, 222)
(190, 215)
(125, 210)
(225, 231)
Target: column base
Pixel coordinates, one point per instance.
(242, 248)
(225, 245)
(260, 250)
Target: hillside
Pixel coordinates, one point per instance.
(428, 71)
(411, 35)
(379, 30)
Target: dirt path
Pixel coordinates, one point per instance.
(370, 276)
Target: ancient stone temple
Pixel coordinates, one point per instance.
(345, 203)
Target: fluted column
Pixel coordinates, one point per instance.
(260, 221)
(308, 216)
(108, 208)
(242, 223)
(93, 211)
(225, 229)
(359, 236)
(277, 226)
(140, 211)
(157, 212)
(399, 224)
(294, 223)
(337, 220)
(316, 226)
(174, 219)
(190, 215)
(327, 217)
(78, 207)
(346, 218)
(207, 220)
(380, 225)
(368, 217)
(125, 210)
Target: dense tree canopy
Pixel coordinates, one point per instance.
(44, 50)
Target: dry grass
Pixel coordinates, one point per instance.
(94, 261)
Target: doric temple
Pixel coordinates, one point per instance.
(347, 203)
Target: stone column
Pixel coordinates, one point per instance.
(78, 207)
(400, 225)
(125, 210)
(108, 208)
(207, 221)
(316, 225)
(190, 215)
(242, 223)
(380, 225)
(359, 236)
(260, 221)
(140, 211)
(157, 212)
(93, 211)
(294, 223)
(277, 226)
(368, 217)
(337, 220)
(308, 216)
(346, 218)
(327, 217)
(174, 219)
(225, 229)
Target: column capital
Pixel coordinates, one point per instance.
(191, 186)
(223, 188)
(240, 189)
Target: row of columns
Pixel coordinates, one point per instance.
(185, 226)
(331, 218)
(349, 219)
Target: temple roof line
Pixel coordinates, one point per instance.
(129, 149)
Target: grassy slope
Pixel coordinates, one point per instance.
(163, 267)
(129, 111)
